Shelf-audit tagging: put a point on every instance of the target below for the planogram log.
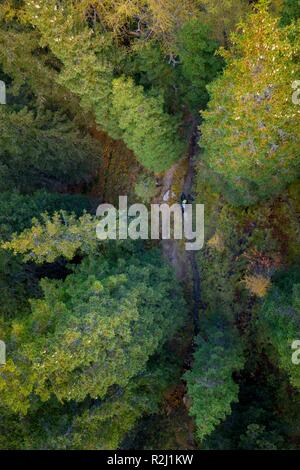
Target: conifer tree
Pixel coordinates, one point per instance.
(279, 327)
(251, 129)
(210, 382)
(91, 61)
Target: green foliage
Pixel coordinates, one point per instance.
(92, 336)
(117, 415)
(31, 71)
(222, 16)
(148, 131)
(211, 386)
(290, 11)
(265, 414)
(19, 281)
(251, 130)
(43, 150)
(90, 69)
(88, 60)
(145, 188)
(62, 234)
(93, 328)
(239, 241)
(151, 69)
(93, 424)
(18, 210)
(256, 438)
(199, 64)
(278, 322)
(44, 140)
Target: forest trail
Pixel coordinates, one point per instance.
(185, 262)
(187, 271)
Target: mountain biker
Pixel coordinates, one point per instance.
(183, 202)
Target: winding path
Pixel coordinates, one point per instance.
(178, 258)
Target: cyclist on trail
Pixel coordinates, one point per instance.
(183, 202)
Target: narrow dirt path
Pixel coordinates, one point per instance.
(187, 189)
(187, 271)
(185, 262)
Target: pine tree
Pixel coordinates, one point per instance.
(91, 70)
(19, 281)
(210, 382)
(278, 323)
(93, 336)
(44, 150)
(199, 64)
(251, 129)
(148, 131)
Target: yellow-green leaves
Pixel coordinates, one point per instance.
(61, 235)
(93, 332)
(147, 130)
(91, 71)
(252, 127)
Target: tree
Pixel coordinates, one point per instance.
(44, 139)
(92, 61)
(107, 331)
(93, 424)
(148, 131)
(199, 63)
(290, 11)
(117, 415)
(251, 129)
(222, 16)
(18, 210)
(141, 19)
(62, 234)
(91, 340)
(256, 437)
(31, 70)
(152, 69)
(43, 150)
(19, 281)
(210, 382)
(278, 323)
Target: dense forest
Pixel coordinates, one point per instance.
(140, 344)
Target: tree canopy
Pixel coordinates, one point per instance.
(140, 344)
(251, 129)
